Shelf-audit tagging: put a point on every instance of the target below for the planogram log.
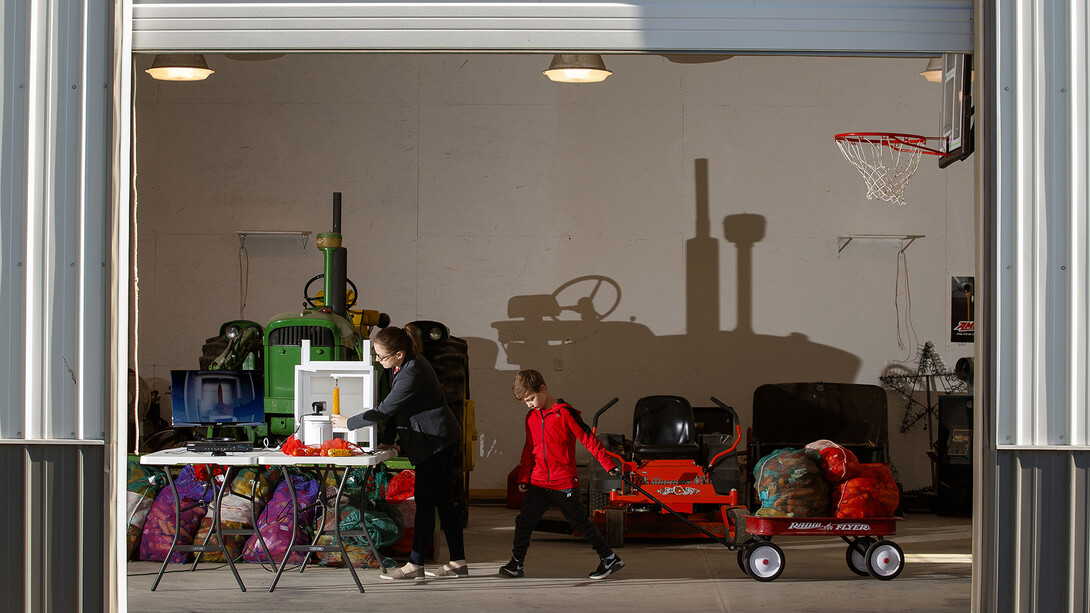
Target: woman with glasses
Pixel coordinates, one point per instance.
(428, 434)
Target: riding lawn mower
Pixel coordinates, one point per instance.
(668, 468)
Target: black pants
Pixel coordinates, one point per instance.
(570, 503)
(433, 490)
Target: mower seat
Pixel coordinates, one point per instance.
(662, 428)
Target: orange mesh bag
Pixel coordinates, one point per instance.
(340, 447)
(295, 447)
(872, 493)
(837, 463)
(291, 446)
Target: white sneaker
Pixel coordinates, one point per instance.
(448, 571)
(402, 573)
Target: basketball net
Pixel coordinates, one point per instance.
(886, 160)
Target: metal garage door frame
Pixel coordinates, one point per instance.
(796, 27)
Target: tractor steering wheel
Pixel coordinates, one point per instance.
(312, 300)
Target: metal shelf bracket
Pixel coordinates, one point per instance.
(904, 240)
(303, 235)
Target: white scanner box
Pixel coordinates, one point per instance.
(357, 383)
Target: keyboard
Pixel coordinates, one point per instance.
(219, 446)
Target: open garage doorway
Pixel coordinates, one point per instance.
(678, 228)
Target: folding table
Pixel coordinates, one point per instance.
(344, 464)
(181, 457)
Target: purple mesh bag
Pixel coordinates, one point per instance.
(275, 521)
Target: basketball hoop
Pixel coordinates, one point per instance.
(885, 159)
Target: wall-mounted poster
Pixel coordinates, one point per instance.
(962, 299)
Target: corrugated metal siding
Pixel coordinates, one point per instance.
(56, 226)
(56, 211)
(1042, 519)
(51, 524)
(13, 526)
(1033, 516)
(13, 152)
(1041, 151)
(770, 26)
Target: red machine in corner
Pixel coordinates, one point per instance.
(668, 469)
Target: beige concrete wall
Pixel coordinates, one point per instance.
(470, 182)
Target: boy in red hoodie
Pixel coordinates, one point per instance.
(548, 475)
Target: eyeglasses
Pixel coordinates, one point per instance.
(383, 358)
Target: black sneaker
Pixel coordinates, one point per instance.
(512, 569)
(606, 569)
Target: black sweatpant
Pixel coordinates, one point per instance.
(570, 503)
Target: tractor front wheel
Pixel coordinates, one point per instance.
(597, 500)
(614, 528)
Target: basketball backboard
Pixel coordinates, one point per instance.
(956, 113)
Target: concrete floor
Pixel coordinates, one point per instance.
(659, 576)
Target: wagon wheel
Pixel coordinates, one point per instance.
(856, 555)
(885, 560)
(764, 561)
(614, 528)
(742, 559)
(736, 526)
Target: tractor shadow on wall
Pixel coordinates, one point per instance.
(567, 335)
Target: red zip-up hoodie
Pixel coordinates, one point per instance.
(548, 458)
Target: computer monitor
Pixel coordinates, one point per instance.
(217, 398)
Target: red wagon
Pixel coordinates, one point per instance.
(868, 553)
(792, 415)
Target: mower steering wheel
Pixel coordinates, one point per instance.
(312, 300)
(585, 306)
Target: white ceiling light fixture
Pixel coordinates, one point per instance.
(933, 72)
(179, 67)
(577, 68)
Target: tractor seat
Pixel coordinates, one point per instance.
(663, 429)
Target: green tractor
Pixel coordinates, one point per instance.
(332, 338)
(335, 333)
(237, 347)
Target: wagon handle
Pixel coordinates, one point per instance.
(667, 508)
(594, 422)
